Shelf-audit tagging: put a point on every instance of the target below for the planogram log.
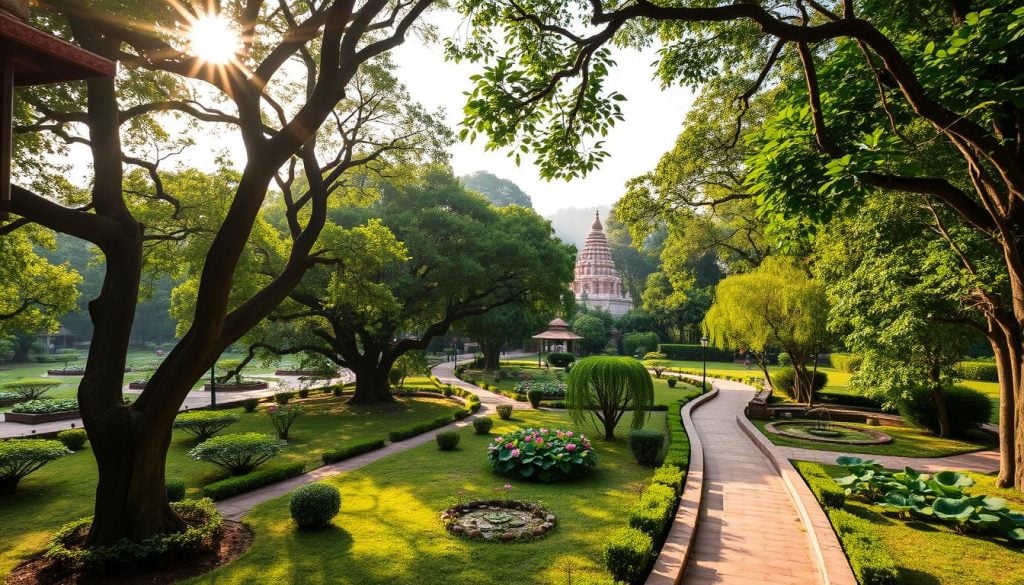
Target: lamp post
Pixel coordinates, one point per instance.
(213, 388)
(455, 352)
(704, 360)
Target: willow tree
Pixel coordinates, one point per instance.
(775, 306)
(282, 96)
(604, 388)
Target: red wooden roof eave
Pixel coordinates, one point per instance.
(39, 57)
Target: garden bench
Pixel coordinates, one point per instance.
(757, 408)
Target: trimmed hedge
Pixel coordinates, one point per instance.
(483, 425)
(693, 352)
(535, 396)
(406, 432)
(250, 404)
(504, 411)
(240, 484)
(967, 409)
(314, 505)
(871, 563)
(825, 489)
(350, 451)
(559, 359)
(631, 342)
(785, 379)
(628, 555)
(983, 371)
(670, 476)
(678, 453)
(447, 440)
(646, 445)
(73, 439)
(653, 513)
(30, 389)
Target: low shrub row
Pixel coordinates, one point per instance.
(240, 484)
(406, 432)
(982, 371)
(350, 451)
(871, 563)
(694, 352)
(822, 485)
(678, 453)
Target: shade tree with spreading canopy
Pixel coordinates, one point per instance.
(290, 95)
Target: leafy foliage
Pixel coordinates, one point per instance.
(29, 389)
(559, 359)
(336, 455)
(239, 484)
(238, 453)
(447, 440)
(73, 439)
(46, 406)
(283, 417)
(483, 425)
(314, 505)
(628, 555)
(545, 455)
(966, 407)
(652, 515)
(606, 387)
(500, 192)
(20, 457)
(646, 445)
(204, 424)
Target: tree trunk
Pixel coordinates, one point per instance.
(492, 356)
(1002, 340)
(938, 398)
(372, 386)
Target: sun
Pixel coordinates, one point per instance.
(213, 39)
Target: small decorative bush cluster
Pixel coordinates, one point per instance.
(504, 411)
(240, 484)
(73, 439)
(646, 445)
(238, 453)
(483, 425)
(314, 505)
(447, 440)
(535, 396)
(204, 424)
(343, 453)
(46, 406)
(30, 389)
(672, 382)
(560, 359)
(967, 408)
(250, 404)
(20, 457)
(201, 517)
(175, 489)
(283, 416)
(545, 455)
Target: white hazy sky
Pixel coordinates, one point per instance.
(653, 120)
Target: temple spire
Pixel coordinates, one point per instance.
(597, 284)
(597, 221)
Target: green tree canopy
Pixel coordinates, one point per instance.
(498, 191)
(604, 388)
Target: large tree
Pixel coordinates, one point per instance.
(498, 191)
(296, 67)
(921, 98)
(437, 254)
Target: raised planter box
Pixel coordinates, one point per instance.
(136, 386)
(238, 387)
(303, 373)
(73, 372)
(34, 419)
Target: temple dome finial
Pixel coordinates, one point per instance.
(597, 221)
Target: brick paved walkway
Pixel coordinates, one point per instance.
(749, 531)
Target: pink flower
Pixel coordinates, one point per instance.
(529, 439)
(544, 431)
(515, 452)
(499, 439)
(569, 434)
(509, 445)
(570, 447)
(540, 441)
(561, 435)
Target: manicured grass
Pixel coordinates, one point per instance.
(907, 442)
(933, 554)
(64, 490)
(388, 530)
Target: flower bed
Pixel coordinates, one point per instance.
(546, 455)
(45, 410)
(552, 388)
(244, 386)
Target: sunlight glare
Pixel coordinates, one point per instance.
(214, 39)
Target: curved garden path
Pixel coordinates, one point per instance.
(749, 530)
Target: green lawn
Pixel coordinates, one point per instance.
(907, 442)
(933, 554)
(63, 490)
(388, 530)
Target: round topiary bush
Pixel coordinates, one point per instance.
(560, 359)
(483, 425)
(314, 505)
(204, 423)
(175, 489)
(447, 440)
(238, 453)
(73, 439)
(250, 404)
(504, 411)
(672, 382)
(20, 457)
(535, 396)
(546, 455)
(646, 445)
(967, 409)
(785, 380)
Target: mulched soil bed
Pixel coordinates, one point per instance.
(235, 538)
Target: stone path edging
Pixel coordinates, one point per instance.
(671, 561)
(832, 564)
(986, 461)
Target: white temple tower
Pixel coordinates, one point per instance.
(597, 283)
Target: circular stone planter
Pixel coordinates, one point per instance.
(239, 387)
(835, 433)
(498, 520)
